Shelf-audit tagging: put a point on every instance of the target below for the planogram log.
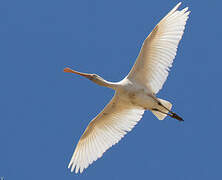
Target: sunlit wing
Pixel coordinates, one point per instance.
(159, 49)
(105, 130)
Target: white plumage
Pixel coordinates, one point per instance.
(135, 93)
(105, 130)
(159, 49)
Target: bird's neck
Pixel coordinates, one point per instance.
(108, 84)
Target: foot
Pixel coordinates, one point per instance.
(174, 115)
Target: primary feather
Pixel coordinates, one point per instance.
(105, 130)
(159, 50)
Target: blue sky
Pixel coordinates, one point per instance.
(44, 111)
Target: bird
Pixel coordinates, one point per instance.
(134, 94)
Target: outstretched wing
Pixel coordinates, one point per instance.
(159, 49)
(105, 130)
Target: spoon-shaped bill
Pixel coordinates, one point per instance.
(86, 75)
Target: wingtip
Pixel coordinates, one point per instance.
(178, 5)
(69, 165)
(174, 9)
(185, 9)
(77, 170)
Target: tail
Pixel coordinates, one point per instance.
(164, 111)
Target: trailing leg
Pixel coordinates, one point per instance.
(171, 114)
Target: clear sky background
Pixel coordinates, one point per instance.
(43, 111)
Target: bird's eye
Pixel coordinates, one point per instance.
(95, 76)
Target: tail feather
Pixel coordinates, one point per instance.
(166, 104)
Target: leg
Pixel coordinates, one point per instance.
(173, 115)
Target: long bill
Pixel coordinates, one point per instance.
(86, 75)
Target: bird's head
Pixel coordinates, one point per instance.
(93, 77)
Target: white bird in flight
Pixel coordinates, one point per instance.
(135, 93)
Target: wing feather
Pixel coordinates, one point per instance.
(159, 49)
(105, 130)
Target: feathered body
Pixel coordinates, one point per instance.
(135, 93)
